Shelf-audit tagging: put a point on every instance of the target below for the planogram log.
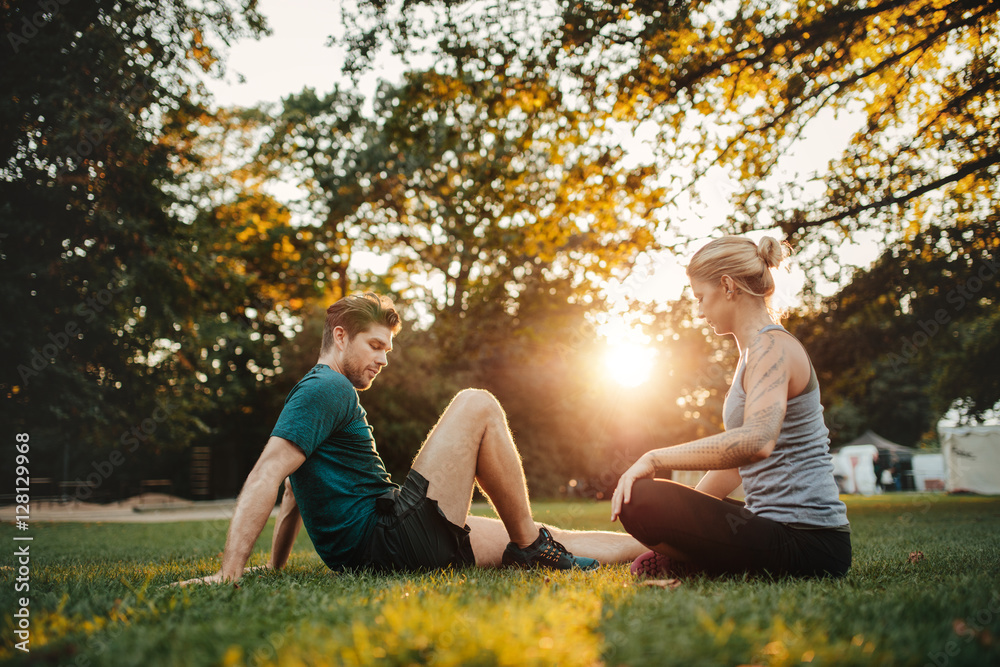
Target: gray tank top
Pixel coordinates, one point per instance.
(795, 484)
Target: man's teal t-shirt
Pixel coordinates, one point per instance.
(342, 475)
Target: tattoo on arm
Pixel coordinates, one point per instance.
(760, 348)
(754, 437)
(775, 375)
(759, 430)
(760, 390)
(730, 449)
(764, 423)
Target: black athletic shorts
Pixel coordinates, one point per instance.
(412, 533)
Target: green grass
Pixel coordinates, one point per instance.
(97, 597)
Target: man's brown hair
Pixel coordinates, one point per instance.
(358, 312)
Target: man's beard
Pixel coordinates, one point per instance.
(357, 374)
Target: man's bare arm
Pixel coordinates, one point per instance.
(286, 528)
(279, 459)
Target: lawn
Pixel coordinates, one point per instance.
(98, 597)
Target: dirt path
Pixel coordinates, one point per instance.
(147, 508)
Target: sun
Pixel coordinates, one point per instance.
(629, 363)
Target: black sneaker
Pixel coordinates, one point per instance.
(546, 552)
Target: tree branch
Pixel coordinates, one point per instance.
(966, 170)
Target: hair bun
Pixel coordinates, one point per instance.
(771, 251)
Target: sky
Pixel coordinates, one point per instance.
(296, 56)
(293, 57)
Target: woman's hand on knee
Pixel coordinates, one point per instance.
(641, 469)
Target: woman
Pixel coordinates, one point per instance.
(775, 443)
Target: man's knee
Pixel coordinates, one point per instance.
(477, 400)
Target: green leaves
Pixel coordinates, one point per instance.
(912, 335)
(735, 87)
(92, 174)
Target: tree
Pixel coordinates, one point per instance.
(912, 335)
(735, 85)
(317, 143)
(100, 269)
(473, 190)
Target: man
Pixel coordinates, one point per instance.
(355, 516)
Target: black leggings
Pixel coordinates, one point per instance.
(719, 537)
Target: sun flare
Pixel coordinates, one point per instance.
(628, 363)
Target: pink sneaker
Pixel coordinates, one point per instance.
(651, 565)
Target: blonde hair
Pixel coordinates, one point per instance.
(749, 264)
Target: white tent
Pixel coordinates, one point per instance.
(854, 467)
(972, 458)
(929, 472)
(889, 453)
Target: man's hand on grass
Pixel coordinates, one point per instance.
(217, 578)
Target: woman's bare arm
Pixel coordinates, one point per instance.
(720, 483)
(767, 376)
